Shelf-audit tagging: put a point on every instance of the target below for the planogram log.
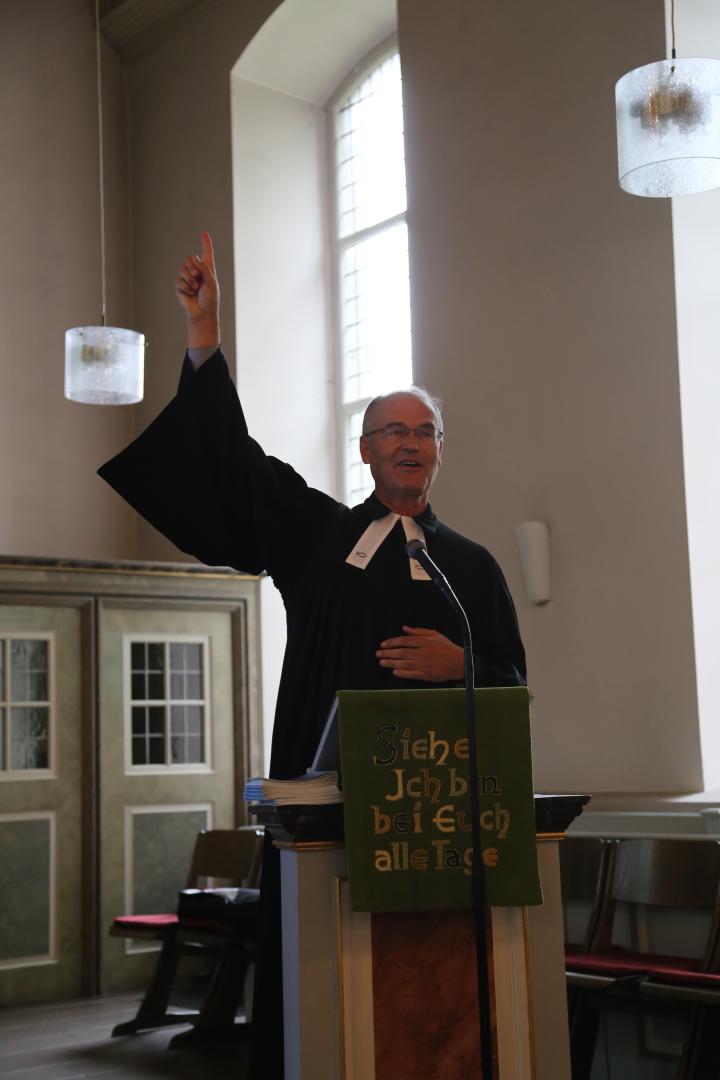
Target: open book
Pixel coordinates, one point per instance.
(312, 789)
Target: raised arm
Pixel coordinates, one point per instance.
(196, 474)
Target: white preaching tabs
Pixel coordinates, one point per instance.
(414, 532)
(376, 533)
(371, 540)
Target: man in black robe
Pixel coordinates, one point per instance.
(360, 615)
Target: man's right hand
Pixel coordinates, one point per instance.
(198, 294)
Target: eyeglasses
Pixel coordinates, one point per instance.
(424, 433)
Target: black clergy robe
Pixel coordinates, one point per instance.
(198, 477)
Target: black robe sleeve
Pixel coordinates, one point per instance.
(197, 476)
(502, 659)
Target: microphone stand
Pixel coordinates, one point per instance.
(417, 550)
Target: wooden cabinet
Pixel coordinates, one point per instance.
(129, 719)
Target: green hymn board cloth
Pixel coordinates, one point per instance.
(408, 837)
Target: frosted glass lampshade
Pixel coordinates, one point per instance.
(104, 365)
(668, 127)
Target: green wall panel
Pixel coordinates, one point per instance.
(162, 848)
(25, 872)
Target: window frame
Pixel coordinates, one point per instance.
(343, 410)
(7, 773)
(168, 768)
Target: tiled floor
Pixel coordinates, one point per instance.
(70, 1040)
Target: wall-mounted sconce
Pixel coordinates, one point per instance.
(534, 544)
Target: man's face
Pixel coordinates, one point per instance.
(403, 468)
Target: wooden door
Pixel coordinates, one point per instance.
(42, 942)
(167, 750)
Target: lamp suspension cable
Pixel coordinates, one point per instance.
(673, 52)
(101, 164)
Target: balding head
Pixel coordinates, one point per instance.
(419, 392)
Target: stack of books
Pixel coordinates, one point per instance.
(314, 788)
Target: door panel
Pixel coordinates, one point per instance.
(41, 775)
(166, 761)
(28, 911)
(150, 831)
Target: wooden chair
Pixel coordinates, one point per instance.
(585, 863)
(646, 877)
(701, 990)
(584, 866)
(220, 857)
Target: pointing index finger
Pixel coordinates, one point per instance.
(208, 255)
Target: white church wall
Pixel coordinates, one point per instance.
(543, 313)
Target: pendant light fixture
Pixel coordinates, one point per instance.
(668, 126)
(104, 365)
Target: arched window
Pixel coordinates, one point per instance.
(282, 91)
(372, 296)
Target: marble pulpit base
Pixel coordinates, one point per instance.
(365, 1000)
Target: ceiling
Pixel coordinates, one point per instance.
(135, 27)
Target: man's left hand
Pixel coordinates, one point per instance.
(422, 654)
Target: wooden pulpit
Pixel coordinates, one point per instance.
(392, 995)
(380, 973)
